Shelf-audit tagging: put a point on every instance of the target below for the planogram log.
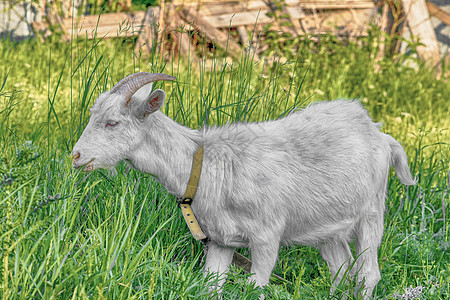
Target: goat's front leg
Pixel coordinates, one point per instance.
(264, 256)
(218, 260)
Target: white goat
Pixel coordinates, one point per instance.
(317, 177)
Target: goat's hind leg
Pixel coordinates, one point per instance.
(339, 258)
(368, 239)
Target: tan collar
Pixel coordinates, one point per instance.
(191, 189)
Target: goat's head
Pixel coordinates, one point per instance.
(116, 121)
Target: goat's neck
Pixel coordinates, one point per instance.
(167, 152)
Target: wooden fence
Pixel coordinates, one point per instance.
(215, 18)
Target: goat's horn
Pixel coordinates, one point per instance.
(132, 83)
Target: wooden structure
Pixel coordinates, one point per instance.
(436, 11)
(419, 23)
(99, 26)
(246, 20)
(306, 16)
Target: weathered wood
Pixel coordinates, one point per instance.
(183, 41)
(242, 262)
(162, 26)
(420, 25)
(436, 11)
(229, 7)
(292, 11)
(106, 32)
(105, 26)
(105, 19)
(250, 45)
(332, 4)
(335, 22)
(340, 20)
(328, 20)
(209, 15)
(41, 30)
(148, 35)
(239, 19)
(304, 26)
(243, 35)
(128, 4)
(170, 29)
(55, 20)
(217, 36)
(383, 22)
(222, 14)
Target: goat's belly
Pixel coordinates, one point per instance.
(235, 241)
(322, 232)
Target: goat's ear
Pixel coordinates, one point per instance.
(142, 93)
(152, 103)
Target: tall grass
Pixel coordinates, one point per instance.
(67, 234)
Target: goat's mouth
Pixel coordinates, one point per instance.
(87, 167)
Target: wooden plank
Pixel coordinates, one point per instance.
(335, 4)
(41, 30)
(292, 11)
(230, 7)
(342, 20)
(105, 32)
(436, 11)
(420, 25)
(338, 17)
(304, 26)
(244, 36)
(170, 29)
(90, 22)
(108, 26)
(329, 23)
(249, 2)
(239, 19)
(219, 7)
(217, 36)
(183, 41)
(162, 26)
(56, 20)
(148, 34)
(383, 22)
(39, 26)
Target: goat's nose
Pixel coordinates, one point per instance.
(76, 155)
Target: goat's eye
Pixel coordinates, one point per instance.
(111, 123)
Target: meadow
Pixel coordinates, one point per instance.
(67, 234)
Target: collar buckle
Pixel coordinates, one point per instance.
(184, 200)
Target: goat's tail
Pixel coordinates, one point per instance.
(400, 162)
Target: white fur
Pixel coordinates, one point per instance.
(317, 177)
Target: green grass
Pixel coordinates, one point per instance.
(67, 234)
